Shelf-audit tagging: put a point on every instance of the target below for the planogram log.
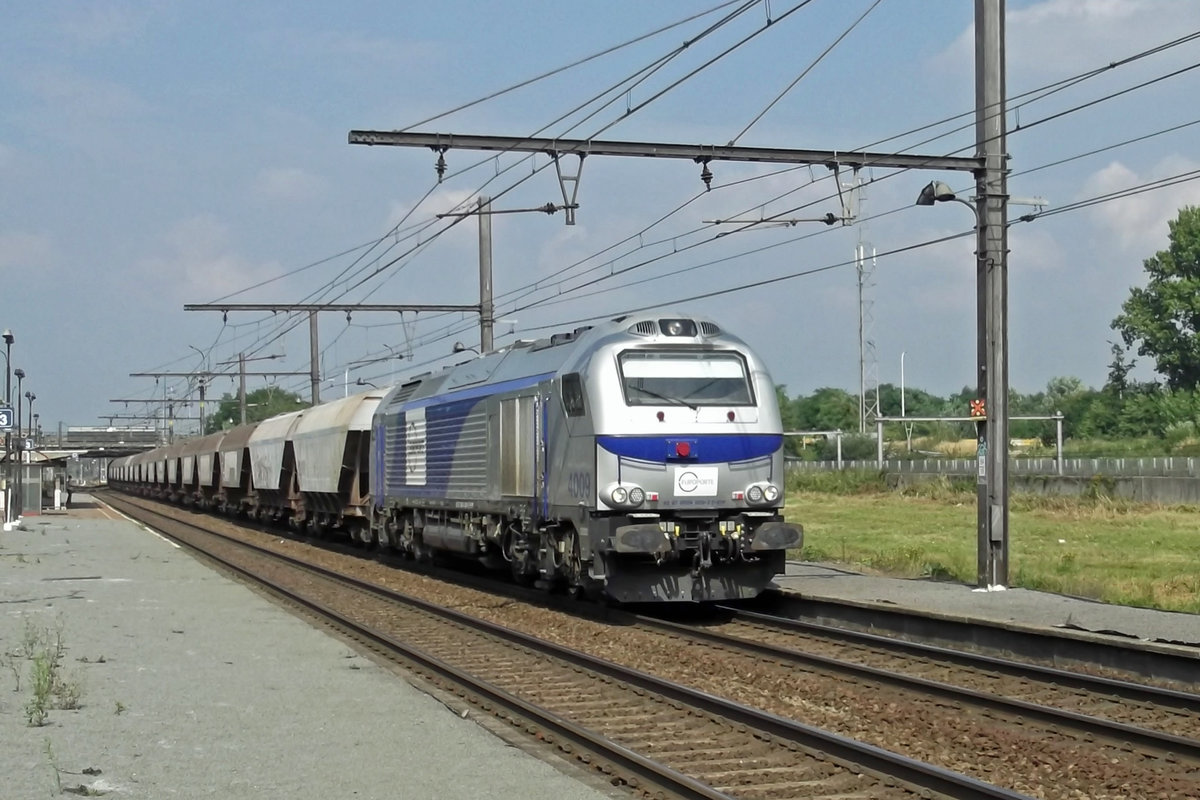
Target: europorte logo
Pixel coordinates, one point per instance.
(695, 481)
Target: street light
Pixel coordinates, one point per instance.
(8, 343)
(20, 373)
(19, 481)
(30, 396)
(991, 429)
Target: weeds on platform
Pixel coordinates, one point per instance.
(50, 687)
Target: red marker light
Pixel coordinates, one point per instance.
(661, 416)
(731, 416)
(683, 449)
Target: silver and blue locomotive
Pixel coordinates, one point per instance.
(640, 460)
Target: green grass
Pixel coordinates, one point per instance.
(1111, 550)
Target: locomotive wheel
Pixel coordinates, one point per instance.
(573, 564)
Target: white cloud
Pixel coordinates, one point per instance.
(1063, 37)
(199, 264)
(1138, 224)
(290, 184)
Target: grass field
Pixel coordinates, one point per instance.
(1110, 550)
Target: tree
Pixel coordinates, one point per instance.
(1164, 317)
(1118, 370)
(260, 404)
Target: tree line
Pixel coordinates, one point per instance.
(1160, 321)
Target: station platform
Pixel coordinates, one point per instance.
(1010, 608)
(192, 685)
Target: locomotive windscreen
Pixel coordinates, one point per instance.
(678, 378)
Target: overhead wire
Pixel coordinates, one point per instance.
(1157, 49)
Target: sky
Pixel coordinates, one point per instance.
(157, 154)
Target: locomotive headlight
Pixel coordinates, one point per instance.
(754, 494)
(621, 496)
(771, 493)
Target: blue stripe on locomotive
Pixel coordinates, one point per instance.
(704, 449)
(445, 415)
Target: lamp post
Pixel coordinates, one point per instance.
(20, 373)
(990, 409)
(35, 429)
(8, 343)
(30, 396)
(19, 481)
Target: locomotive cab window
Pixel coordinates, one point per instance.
(707, 378)
(572, 395)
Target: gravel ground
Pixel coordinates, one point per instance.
(1015, 607)
(190, 685)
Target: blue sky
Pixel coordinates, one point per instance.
(154, 154)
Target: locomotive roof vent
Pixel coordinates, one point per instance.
(647, 328)
(709, 329)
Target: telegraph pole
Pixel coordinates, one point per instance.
(991, 198)
(486, 309)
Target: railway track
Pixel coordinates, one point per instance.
(719, 709)
(1162, 721)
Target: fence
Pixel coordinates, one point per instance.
(1161, 467)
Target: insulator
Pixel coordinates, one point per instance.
(706, 176)
(440, 166)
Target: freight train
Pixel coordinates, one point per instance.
(637, 460)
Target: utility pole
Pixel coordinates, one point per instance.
(991, 198)
(242, 387)
(486, 310)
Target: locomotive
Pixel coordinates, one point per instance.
(637, 460)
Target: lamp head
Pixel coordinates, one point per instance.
(935, 192)
(20, 373)
(8, 336)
